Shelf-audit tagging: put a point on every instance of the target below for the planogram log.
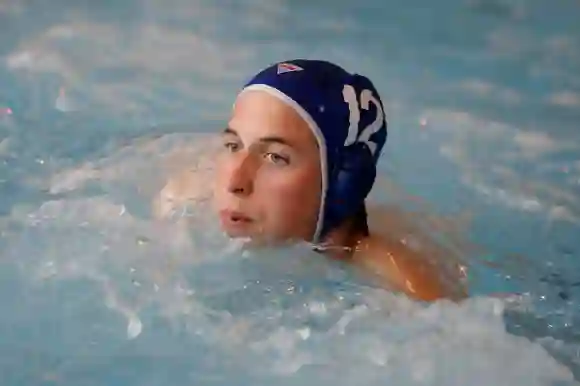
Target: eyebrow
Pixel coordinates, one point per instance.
(268, 139)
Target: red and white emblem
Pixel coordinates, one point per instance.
(288, 67)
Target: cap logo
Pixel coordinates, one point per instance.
(288, 67)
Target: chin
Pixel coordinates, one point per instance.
(237, 234)
(253, 239)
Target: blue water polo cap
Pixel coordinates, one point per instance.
(346, 115)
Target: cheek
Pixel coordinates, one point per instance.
(295, 200)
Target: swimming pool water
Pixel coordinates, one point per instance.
(483, 100)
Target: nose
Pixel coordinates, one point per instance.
(241, 179)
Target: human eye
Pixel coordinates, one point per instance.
(231, 145)
(277, 159)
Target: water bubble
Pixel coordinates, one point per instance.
(134, 327)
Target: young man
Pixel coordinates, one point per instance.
(299, 160)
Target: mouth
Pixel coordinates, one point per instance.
(235, 216)
(234, 222)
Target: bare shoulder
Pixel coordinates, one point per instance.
(410, 261)
(408, 271)
(188, 181)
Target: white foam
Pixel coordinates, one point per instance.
(286, 316)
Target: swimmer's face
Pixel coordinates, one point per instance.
(268, 183)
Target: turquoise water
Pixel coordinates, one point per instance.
(484, 102)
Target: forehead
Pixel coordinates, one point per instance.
(257, 114)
